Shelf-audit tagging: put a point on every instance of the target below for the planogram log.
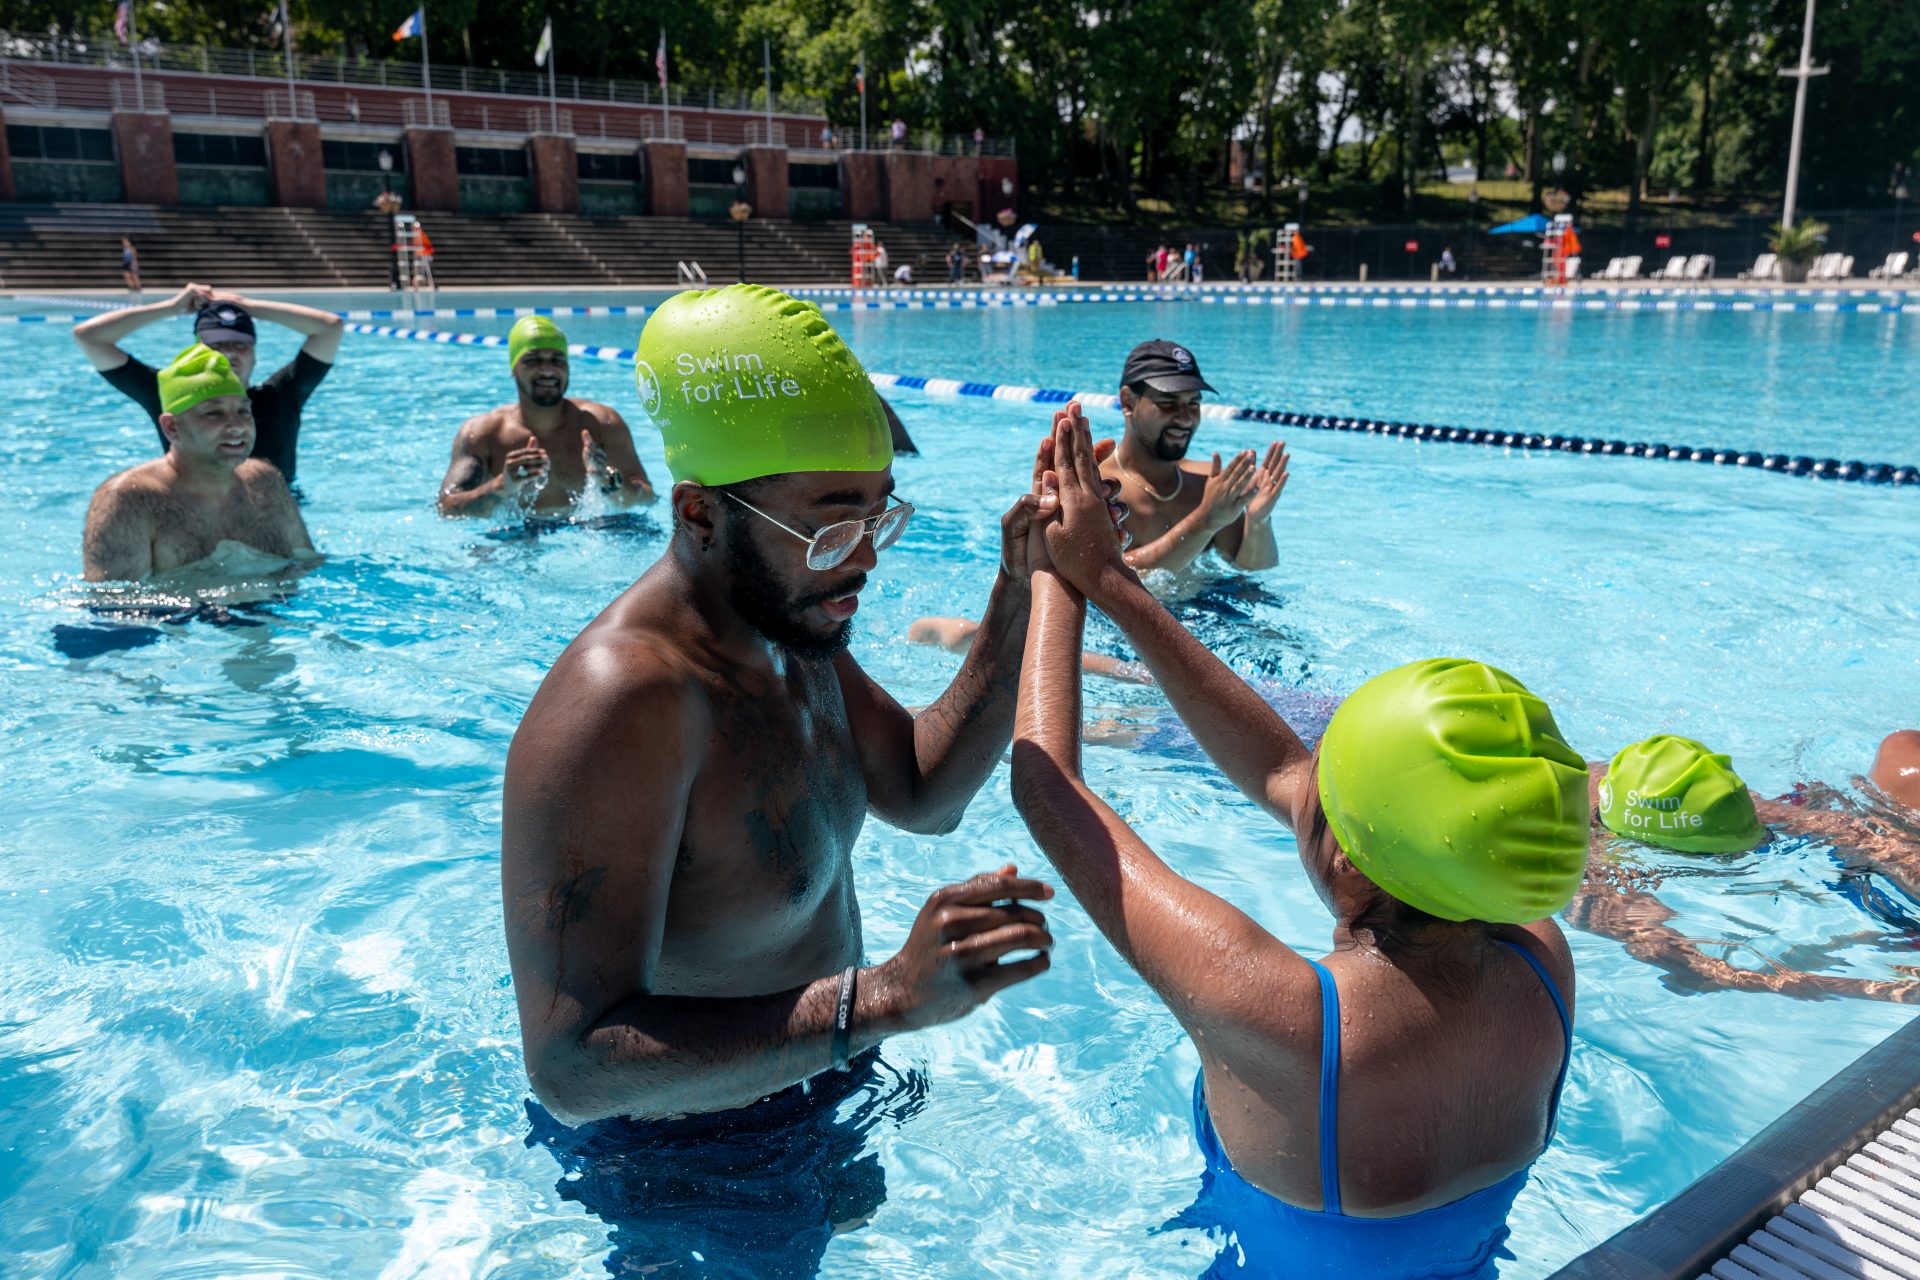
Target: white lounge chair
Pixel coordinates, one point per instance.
(1843, 270)
(1700, 267)
(1630, 268)
(1675, 269)
(1573, 267)
(1765, 267)
(1892, 269)
(1612, 270)
(1822, 267)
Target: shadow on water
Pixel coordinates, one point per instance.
(754, 1192)
(119, 628)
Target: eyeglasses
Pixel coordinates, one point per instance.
(833, 544)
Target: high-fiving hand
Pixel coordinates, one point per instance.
(1081, 519)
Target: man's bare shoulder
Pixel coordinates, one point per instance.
(488, 427)
(628, 672)
(150, 481)
(262, 477)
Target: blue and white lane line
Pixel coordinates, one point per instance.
(1779, 463)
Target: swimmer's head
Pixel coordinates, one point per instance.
(227, 328)
(1160, 388)
(537, 354)
(746, 382)
(205, 414)
(1446, 784)
(1672, 791)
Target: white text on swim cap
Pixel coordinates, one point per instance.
(748, 376)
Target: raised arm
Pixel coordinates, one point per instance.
(1247, 738)
(1218, 971)
(626, 482)
(118, 543)
(587, 857)
(100, 337)
(322, 329)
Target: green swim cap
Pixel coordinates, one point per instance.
(1672, 791)
(1447, 783)
(746, 382)
(533, 333)
(197, 374)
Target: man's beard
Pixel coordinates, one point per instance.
(1168, 452)
(758, 597)
(547, 401)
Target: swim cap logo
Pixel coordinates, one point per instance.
(1606, 795)
(649, 384)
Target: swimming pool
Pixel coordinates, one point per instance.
(257, 1017)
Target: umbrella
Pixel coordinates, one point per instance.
(1532, 225)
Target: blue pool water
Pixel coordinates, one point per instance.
(254, 1007)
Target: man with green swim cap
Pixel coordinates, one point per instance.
(207, 500)
(684, 793)
(1676, 793)
(538, 454)
(1442, 820)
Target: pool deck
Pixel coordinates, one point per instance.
(1831, 1188)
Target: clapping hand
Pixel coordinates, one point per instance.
(1229, 490)
(1269, 478)
(1021, 554)
(1082, 525)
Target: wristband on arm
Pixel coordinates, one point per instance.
(843, 1019)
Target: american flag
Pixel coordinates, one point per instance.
(660, 58)
(123, 21)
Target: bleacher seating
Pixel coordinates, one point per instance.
(69, 246)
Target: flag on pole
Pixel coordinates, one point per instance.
(123, 21)
(545, 46)
(415, 24)
(660, 58)
(860, 76)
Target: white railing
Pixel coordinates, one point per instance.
(550, 120)
(20, 85)
(422, 114)
(652, 129)
(144, 96)
(761, 133)
(299, 108)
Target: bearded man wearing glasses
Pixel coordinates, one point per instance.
(683, 796)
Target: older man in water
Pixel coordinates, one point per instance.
(682, 802)
(207, 502)
(539, 454)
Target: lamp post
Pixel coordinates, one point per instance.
(1899, 212)
(740, 212)
(385, 160)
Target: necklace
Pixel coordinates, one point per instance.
(1179, 483)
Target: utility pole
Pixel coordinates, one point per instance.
(1805, 71)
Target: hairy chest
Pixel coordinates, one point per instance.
(188, 531)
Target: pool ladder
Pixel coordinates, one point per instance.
(690, 273)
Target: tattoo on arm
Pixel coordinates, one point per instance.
(572, 901)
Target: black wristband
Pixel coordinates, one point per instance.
(843, 1019)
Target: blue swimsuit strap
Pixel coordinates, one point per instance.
(1566, 1031)
(1330, 1070)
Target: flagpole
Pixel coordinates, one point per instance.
(286, 27)
(553, 94)
(426, 64)
(863, 99)
(766, 62)
(133, 47)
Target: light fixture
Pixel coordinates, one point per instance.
(386, 160)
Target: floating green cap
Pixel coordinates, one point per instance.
(533, 333)
(1447, 783)
(746, 382)
(1672, 791)
(197, 374)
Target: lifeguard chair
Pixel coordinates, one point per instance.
(863, 256)
(1559, 243)
(413, 256)
(1288, 251)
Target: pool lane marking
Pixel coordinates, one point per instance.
(1780, 463)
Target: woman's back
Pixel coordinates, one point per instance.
(1446, 1076)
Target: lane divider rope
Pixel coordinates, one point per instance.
(1779, 463)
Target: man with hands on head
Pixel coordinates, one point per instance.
(224, 322)
(1180, 510)
(539, 453)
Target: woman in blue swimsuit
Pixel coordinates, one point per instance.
(1375, 1112)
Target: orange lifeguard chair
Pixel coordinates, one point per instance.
(863, 254)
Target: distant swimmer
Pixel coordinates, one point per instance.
(1376, 1110)
(540, 453)
(1182, 509)
(1674, 793)
(224, 322)
(208, 508)
(682, 802)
